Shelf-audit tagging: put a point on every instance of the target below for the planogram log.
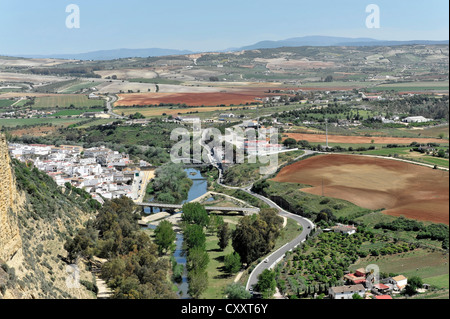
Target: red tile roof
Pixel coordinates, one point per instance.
(381, 286)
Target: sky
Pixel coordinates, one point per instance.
(39, 27)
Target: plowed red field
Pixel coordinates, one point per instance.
(400, 188)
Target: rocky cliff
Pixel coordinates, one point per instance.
(36, 217)
(10, 241)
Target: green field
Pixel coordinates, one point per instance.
(413, 86)
(75, 112)
(6, 103)
(431, 266)
(79, 86)
(37, 121)
(293, 199)
(65, 101)
(405, 153)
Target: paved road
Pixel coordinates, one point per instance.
(270, 261)
(109, 105)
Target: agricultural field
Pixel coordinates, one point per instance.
(192, 99)
(6, 103)
(78, 87)
(409, 154)
(39, 121)
(65, 101)
(344, 139)
(401, 189)
(126, 74)
(167, 111)
(413, 86)
(75, 112)
(430, 265)
(425, 132)
(322, 261)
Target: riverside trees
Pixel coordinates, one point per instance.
(195, 219)
(133, 269)
(255, 235)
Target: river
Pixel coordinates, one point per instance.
(198, 188)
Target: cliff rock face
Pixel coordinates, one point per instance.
(35, 218)
(10, 240)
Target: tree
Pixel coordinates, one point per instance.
(215, 222)
(164, 236)
(236, 291)
(247, 239)
(194, 236)
(266, 284)
(224, 234)
(195, 213)
(415, 282)
(356, 296)
(198, 282)
(82, 245)
(255, 235)
(137, 116)
(290, 143)
(197, 259)
(233, 263)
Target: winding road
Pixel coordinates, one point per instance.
(270, 261)
(109, 105)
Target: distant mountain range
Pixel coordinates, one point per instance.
(292, 42)
(112, 54)
(332, 41)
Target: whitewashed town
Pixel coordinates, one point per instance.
(104, 173)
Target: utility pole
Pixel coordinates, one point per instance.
(326, 128)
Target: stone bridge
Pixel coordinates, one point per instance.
(173, 208)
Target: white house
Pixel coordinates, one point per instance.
(226, 115)
(416, 119)
(399, 282)
(93, 96)
(346, 292)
